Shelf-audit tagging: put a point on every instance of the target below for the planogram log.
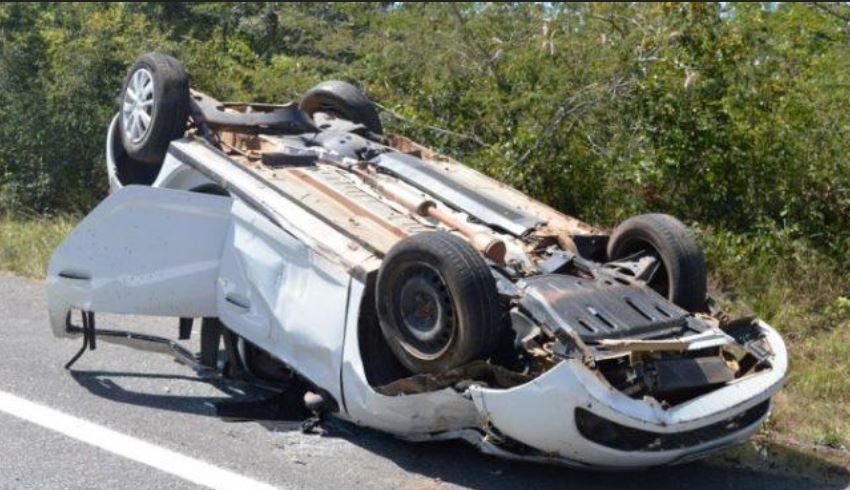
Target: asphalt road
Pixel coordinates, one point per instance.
(152, 398)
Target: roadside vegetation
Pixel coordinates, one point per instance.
(804, 293)
(26, 242)
(733, 117)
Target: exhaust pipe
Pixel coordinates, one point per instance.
(488, 244)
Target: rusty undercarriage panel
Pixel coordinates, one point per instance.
(329, 192)
(361, 205)
(495, 189)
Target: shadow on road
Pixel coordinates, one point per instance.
(458, 463)
(102, 384)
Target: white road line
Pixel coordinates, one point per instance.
(190, 469)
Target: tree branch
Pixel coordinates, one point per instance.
(822, 7)
(488, 60)
(474, 138)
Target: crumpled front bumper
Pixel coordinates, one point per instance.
(541, 414)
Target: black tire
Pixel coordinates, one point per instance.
(682, 276)
(437, 303)
(343, 100)
(169, 108)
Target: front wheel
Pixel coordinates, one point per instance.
(681, 272)
(437, 303)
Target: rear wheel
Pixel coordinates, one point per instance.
(343, 100)
(681, 272)
(437, 303)
(154, 106)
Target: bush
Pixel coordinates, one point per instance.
(730, 115)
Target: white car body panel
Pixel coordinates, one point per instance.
(175, 175)
(143, 251)
(412, 416)
(278, 294)
(111, 159)
(570, 385)
(160, 252)
(254, 261)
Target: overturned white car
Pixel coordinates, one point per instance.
(411, 293)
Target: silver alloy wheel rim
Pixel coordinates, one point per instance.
(137, 106)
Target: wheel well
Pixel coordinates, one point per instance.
(212, 189)
(379, 362)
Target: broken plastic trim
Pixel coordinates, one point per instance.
(613, 435)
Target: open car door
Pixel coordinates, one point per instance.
(142, 251)
(161, 252)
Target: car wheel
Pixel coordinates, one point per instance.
(154, 106)
(681, 275)
(343, 100)
(437, 303)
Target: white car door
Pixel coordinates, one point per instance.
(282, 296)
(155, 251)
(142, 251)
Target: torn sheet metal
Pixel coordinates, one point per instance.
(569, 386)
(702, 340)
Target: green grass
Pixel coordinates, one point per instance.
(798, 290)
(26, 243)
(804, 294)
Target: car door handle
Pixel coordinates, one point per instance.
(238, 301)
(75, 275)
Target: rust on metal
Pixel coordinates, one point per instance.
(347, 203)
(494, 189)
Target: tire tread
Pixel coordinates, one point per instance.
(678, 248)
(473, 291)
